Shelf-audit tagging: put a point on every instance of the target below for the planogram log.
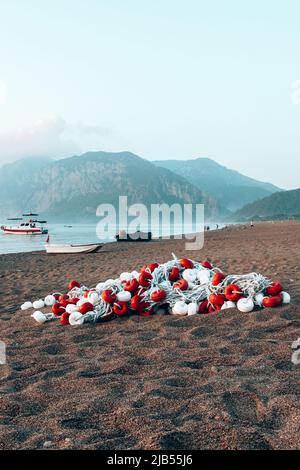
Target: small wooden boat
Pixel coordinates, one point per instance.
(90, 248)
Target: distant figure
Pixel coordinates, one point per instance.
(207, 227)
(252, 224)
(217, 226)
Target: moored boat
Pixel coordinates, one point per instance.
(28, 226)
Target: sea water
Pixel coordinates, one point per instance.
(76, 233)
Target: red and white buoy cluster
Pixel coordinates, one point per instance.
(179, 287)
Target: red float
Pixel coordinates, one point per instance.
(272, 302)
(203, 306)
(86, 307)
(207, 265)
(145, 279)
(131, 286)
(174, 274)
(274, 289)
(186, 263)
(73, 284)
(120, 308)
(58, 309)
(233, 293)
(109, 296)
(217, 279)
(182, 284)
(217, 299)
(64, 319)
(159, 295)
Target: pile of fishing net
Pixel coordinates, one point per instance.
(179, 287)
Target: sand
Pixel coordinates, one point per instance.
(221, 381)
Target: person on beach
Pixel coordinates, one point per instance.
(252, 224)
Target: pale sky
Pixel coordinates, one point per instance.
(161, 78)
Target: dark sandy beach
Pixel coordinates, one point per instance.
(220, 381)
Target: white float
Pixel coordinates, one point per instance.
(41, 317)
(125, 276)
(245, 305)
(93, 297)
(192, 308)
(286, 298)
(26, 305)
(38, 304)
(180, 308)
(76, 318)
(49, 300)
(258, 299)
(189, 275)
(124, 296)
(203, 276)
(70, 308)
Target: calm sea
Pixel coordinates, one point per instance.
(77, 233)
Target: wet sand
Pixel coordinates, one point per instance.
(222, 381)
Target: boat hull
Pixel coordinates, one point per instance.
(72, 249)
(29, 231)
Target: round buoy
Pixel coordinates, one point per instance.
(58, 309)
(192, 308)
(245, 305)
(26, 305)
(124, 296)
(71, 308)
(273, 302)
(174, 274)
(189, 275)
(217, 279)
(286, 298)
(109, 296)
(233, 292)
(76, 318)
(39, 317)
(158, 295)
(207, 265)
(182, 284)
(274, 289)
(86, 307)
(180, 308)
(38, 303)
(186, 263)
(120, 308)
(49, 300)
(73, 284)
(203, 276)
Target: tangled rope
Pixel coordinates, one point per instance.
(179, 287)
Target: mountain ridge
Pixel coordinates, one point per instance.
(231, 188)
(72, 188)
(280, 205)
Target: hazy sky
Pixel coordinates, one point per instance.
(162, 78)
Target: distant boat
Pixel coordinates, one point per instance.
(68, 226)
(55, 249)
(30, 226)
(137, 236)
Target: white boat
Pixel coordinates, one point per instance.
(27, 227)
(90, 248)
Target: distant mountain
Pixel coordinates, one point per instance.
(281, 205)
(72, 188)
(231, 189)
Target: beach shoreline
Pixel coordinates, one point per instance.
(209, 382)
